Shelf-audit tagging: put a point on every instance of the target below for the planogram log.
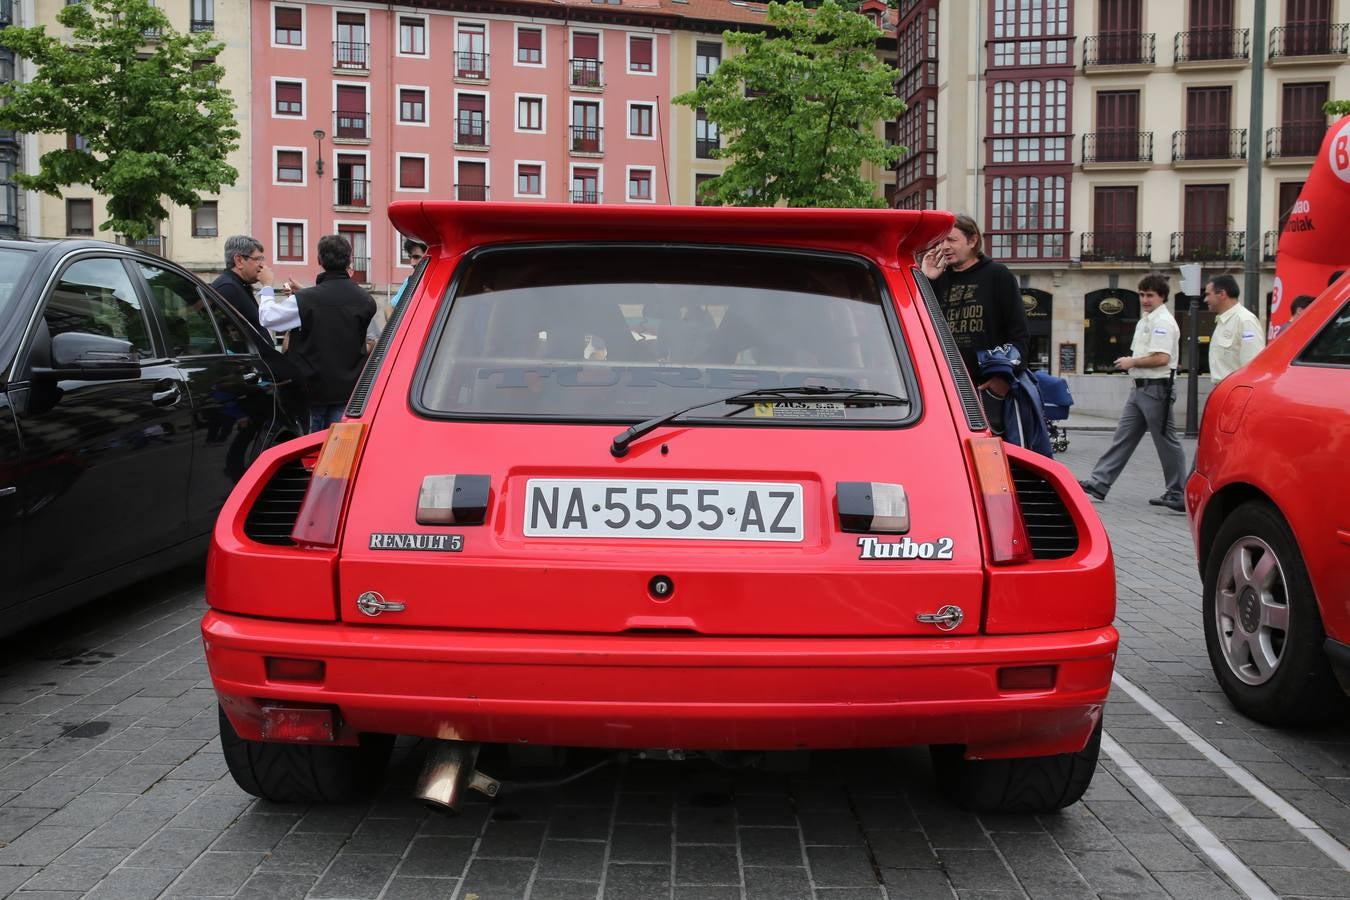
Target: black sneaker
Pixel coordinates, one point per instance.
(1171, 501)
(1092, 490)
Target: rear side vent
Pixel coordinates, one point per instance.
(273, 515)
(1049, 525)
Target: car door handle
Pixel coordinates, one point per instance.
(167, 397)
(252, 376)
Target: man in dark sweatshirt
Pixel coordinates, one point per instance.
(328, 324)
(982, 302)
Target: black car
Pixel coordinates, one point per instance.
(132, 398)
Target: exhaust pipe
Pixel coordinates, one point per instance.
(449, 772)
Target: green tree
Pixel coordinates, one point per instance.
(142, 96)
(797, 110)
(1336, 107)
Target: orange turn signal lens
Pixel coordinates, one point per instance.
(1008, 541)
(321, 510)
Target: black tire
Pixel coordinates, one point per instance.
(1275, 676)
(1028, 784)
(305, 773)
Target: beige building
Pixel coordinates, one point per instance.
(193, 238)
(1098, 140)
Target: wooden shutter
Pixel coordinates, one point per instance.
(1302, 122)
(1211, 26)
(288, 18)
(412, 172)
(1289, 192)
(1117, 125)
(1115, 221)
(586, 46)
(530, 44)
(1119, 23)
(351, 99)
(472, 173)
(1207, 122)
(640, 54)
(1206, 218)
(289, 97)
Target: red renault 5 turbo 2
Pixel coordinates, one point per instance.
(1270, 511)
(688, 479)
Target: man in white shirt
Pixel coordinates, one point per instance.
(1238, 335)
(1152, 366)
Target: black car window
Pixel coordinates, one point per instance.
(12, 265)
(96, 296)
(236, 341)
(188, 328)
(1331, 347)
(627, 332)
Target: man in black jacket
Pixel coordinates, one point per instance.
(245, 266)
(328, 324)
(982, 302)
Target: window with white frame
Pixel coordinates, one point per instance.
(288, 26)
(530, 179)
(412, 35)
(290, 98)
(640, 53)
(640, 119)
(290, 242)
(530, 46)
(412, 105)
(530, 113)
(290, 166)
(639, 184)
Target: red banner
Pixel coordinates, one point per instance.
(1312, 246)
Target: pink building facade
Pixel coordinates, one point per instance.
(356, 106)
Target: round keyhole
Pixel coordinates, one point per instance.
(661, 587)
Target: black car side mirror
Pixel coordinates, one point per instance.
(80, 354)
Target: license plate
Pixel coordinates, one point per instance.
(695, 510)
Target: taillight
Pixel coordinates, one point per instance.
(321, 511)
(1008, 541)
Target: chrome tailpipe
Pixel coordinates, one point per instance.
(449, 772)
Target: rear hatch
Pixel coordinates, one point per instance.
(728, 520)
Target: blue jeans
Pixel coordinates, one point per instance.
(321, 415)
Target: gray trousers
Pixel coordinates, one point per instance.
(1149, 409)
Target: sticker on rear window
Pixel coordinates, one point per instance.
(875, 548)
(394, 540)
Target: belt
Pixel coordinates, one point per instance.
(1145, 382)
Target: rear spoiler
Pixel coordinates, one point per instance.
(890, 236)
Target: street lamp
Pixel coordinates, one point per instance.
(318, 158)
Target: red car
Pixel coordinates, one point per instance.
(1270, 510)
(668, 479)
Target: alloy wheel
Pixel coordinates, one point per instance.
(1251, 610)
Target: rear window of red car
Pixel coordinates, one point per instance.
(625, 332)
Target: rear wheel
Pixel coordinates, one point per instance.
(1029, 784)
(1263, 629)
(304, 773)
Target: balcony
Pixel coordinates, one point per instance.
(353, 127)
(1117, 149)
(1307, 42)
(1104, 50)
(1208, 246)
(706, 148)
(1294, 144)
(351, 193)
(471, 66)
(471, 133)
(202, 25)
(1209, 146)
(351, 57)
(587, 140)
(471, 192)
(1270, 242)
(586, 74)
(1212, 47)
(585, 196)
(1115, 246)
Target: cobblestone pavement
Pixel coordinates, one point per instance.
(112, 786)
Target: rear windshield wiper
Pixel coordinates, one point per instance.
(802, 393)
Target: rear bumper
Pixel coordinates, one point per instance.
(671, 692)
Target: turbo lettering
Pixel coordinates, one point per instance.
(905, 548)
